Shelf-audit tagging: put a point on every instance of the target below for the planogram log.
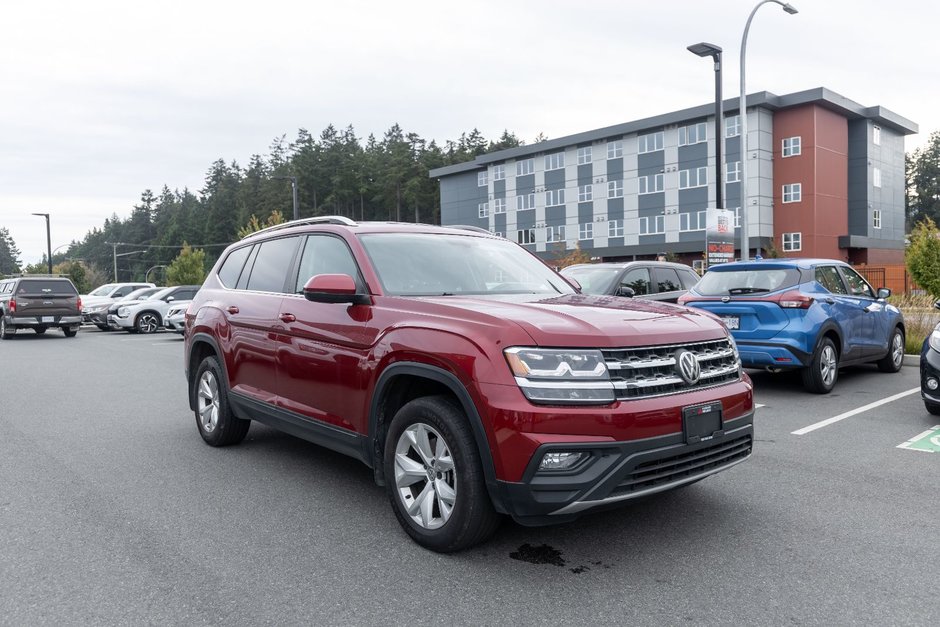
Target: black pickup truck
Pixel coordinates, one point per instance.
(39, 303)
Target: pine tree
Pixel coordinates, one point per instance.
(9, 254)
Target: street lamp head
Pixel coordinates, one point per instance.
(45, 215)
(705, 49)
(789, 8)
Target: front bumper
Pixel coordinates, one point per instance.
(929, 367)
(116, 322)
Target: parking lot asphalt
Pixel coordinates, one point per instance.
(112, 510)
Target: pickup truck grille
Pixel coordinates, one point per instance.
(651, 370)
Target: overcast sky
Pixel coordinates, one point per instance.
(102, 100)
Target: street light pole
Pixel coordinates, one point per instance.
(48, 238)
(742, 112)
(710, 50)
(293, 186)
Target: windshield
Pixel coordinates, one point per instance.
(104, 290)
(139, 294)
(717, 283)
(160, 294)
(425, 264)
(593, 280)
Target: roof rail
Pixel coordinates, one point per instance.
(315, 220)
(467, 227)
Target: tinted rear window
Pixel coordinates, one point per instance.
(717, 283)
(41, 287)
(232, 266)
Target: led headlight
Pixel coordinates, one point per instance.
(935, 339)
(734, 347)
(561, 376)
(123, 312)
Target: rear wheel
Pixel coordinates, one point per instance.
(70, 331)
(147, 322)
(894, 359)
(6, 332)
(933, 408)
(217, 425)
(434, 477)
(820, 376)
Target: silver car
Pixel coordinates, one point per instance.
(175, 319)
(148, 316)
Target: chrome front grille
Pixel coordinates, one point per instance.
(651, 370)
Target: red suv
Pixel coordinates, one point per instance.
(473, 379)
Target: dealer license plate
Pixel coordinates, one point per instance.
(701, 422)
(732, 322)
(48, 319)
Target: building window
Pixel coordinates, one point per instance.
(525, 236)
(737, 217)
(584, 155)
(615, 189)
(555, 233)
(497, 233)
(652, 226)
(483, 209)
(615, 228)
(499, 172)
(876, 177)
(649, 143)
(792, 242)
(555, 161)
(692, 221)
(585, 193)
(499, 205)
(733, 174)
(526, 166)
(699, 266)
(732, 126)
(554, 197)
(692, 134)
(876, 218)
(586, 230)
(693, 177)
(482, 179)
(793, 192)
(525, 201)
(876, 135)
(650, 184)
(615, 149)
(792, 146)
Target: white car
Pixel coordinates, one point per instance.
(148, 316)
(107, 294)
(175, 319)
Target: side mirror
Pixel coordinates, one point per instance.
(625, 290)
(334, 288)
(883, 292)
(170, 299)
(937, 305)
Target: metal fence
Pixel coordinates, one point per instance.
(895, 277)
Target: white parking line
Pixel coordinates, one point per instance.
(849, 414)
(917, 437)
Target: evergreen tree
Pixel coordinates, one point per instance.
(9, 254)
(189, 267)
(922, 169)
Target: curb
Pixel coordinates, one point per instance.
(912, 360)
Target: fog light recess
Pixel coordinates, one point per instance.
(932, 384)
(561, 461)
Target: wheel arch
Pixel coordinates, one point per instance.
(405, 381)
(202, 346)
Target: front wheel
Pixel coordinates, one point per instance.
(434, 477)
(215, 420)
(821, 374)
(894, 359)
(147, 322)
(40, 330)
(933, 408)
(70, 331)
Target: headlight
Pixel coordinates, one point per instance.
(935, 339)
(561, 376)
(734, 347)
(123, 312)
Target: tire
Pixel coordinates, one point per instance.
(40, 330)
(70, 332)
(6, 333)
(893, 361)
(932, 408)
(821, 375)
(217, 425)
(450, 511)
(147, 322)
(103, 327)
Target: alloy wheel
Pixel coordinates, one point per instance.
(425, 476)
(828, 365)
(897, 349)
(148, 323)
(208, 401)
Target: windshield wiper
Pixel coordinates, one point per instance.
(747, 290)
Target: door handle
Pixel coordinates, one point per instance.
(831, 301)
(232, 309)
(287, 317)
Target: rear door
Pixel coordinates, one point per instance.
(46, 299)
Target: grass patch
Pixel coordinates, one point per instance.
(920, 318)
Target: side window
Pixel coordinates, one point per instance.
(828, 277)
(186, 294)
(666, 280)
(272, 264)
(325, 254)
(689, 278)
(856, 284)
(122, 292)
(232, 266)
(243, 277)
(638, 279)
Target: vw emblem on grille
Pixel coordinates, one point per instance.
(688, 367)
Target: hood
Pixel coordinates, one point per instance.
(585, 320)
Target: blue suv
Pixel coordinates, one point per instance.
(816, 315)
